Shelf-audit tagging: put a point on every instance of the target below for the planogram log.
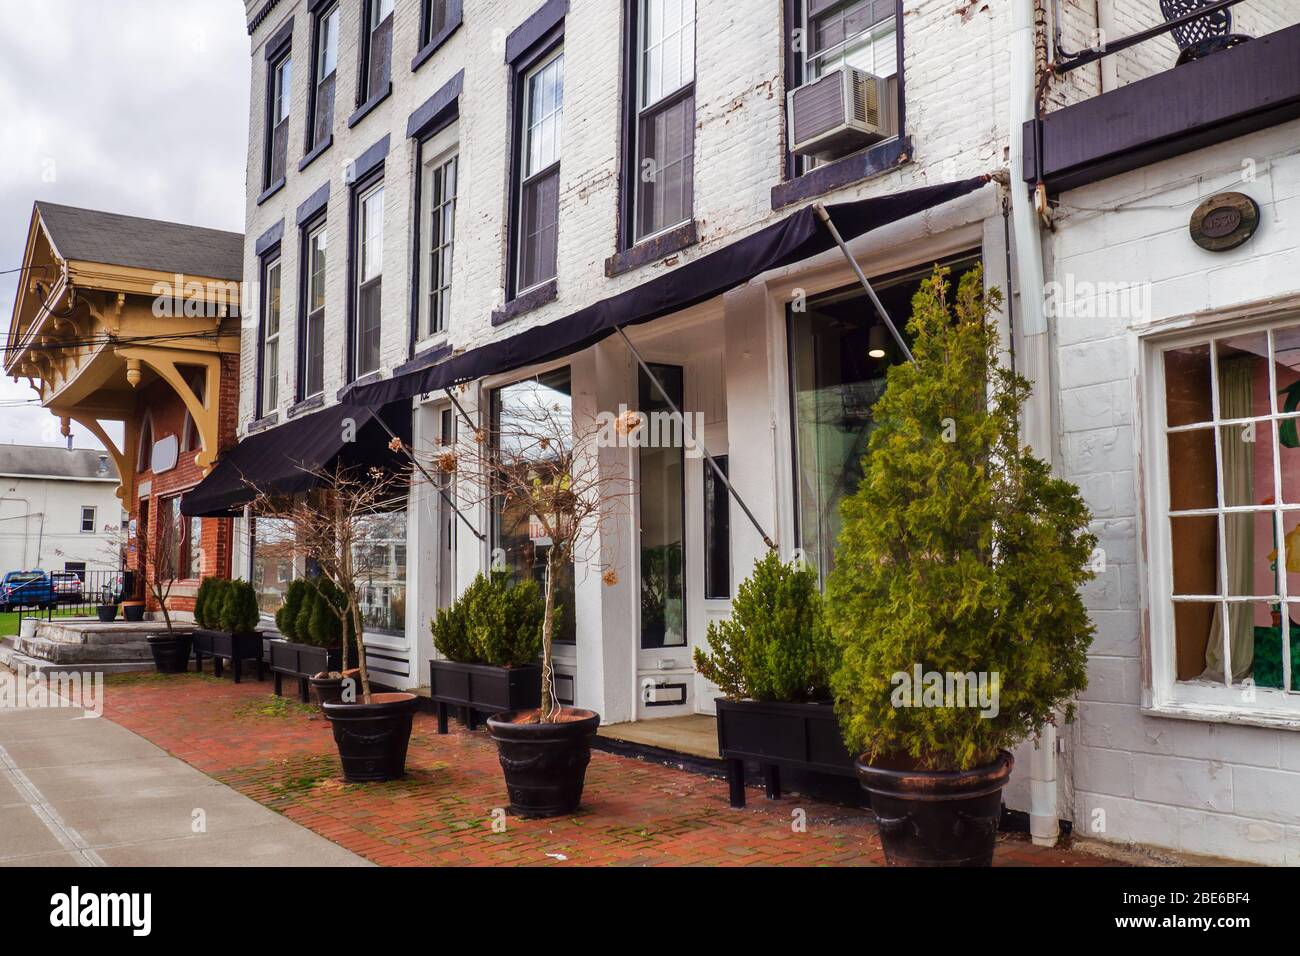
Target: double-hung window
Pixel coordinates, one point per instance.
(539, 137)
(269, 361)
(277, 119)
(313, 347)
(664, 128)
(437, 230)
(433, 19)
(377, 50)
(1224, 538)
(369, 261)
(88, 519)
(326, 71)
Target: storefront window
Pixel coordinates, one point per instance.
(840, 351)
(272, 565)
(662, 502)
(380, 557)
(519, 542)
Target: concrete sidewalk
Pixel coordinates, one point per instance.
(83, 791)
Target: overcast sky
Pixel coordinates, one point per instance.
(131, 106)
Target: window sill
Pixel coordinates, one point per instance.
(532, 299)
(263, 423)
(306, 405)
(843, 172)
(375, 376)
(437, 40)
(270, 191)
(364, 109)
(652, 250)
(315, 152)
(1208, 713)
(426, 353)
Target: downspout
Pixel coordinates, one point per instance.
(1035, 351)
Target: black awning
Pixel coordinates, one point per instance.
(281, 460)
(795, 238)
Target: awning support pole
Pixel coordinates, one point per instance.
(698, 442)
(429, 478)
(460, 408)
(825, 217)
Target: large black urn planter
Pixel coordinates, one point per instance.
(222, 645)
(301, 662)
(936, 818)
(171, 652)
(372, 738)
(545, 765)
(798, 736)
(482, 688)
(329, 690)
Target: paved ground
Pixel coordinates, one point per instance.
(84, 791)
(282, 755)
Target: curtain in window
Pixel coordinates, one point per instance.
(1235, 401)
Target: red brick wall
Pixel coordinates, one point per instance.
(167, 413)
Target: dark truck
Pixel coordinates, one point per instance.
(26, 589)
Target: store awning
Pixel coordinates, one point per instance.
(282, 460)
(798, 237)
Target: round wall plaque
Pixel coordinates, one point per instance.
(1224, 221)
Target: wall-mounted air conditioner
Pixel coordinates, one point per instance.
(837, 113)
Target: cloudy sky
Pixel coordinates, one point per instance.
(131, 106)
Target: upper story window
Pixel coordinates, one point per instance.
(1225, 537)
(858, 33)
(434, 17)
(277, 119)
(312, 354)
(377, 50)
(539, 137)
(269, 360)
(664, 129)
(324, 80)
(88, 519)
(196, 377)
(370, 276)
(437, 230)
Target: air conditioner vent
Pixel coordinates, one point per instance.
(837, 113)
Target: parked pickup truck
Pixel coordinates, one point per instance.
(26, 589)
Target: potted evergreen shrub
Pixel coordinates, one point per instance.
(230, 616)
(170, 649)
(490, 639)
(955, 590)
(312, 647)
(772, 661)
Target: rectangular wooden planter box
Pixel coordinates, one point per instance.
(222, 645)
(482, 688)
(301, 661)
(800, 736)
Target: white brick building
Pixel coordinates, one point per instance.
(956, 87)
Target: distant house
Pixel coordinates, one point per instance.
(58, 508)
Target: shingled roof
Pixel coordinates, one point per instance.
(55, 461)
(113, 239)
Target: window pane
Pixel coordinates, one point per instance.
(379, 556)
(667, 48)
(368, 327)
(666, 167)
(372, 234)
(1247, 464)
(439, 240)
(1195, 545)
(545, 102)
(539, 225)
(661, 504)
(1187, 385)
(1193, 483)
(717, 532)
(272, 568)
(313, 379)
(328, 44)
(516, 410)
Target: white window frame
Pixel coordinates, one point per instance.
(1168, 696)
(94, 517)
(834, 57)
(439, 150)
(361, 253)
(526, 174)
(321, 229)
(323, 46)
(270, 392)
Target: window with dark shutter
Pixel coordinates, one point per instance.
(327, 58)
(278, 119)
(370, 265)
(664, 77)
(313, 376)
(539, 189)
(379, 48)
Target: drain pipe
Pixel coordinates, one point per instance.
(1034, 349)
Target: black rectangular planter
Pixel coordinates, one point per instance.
(799, 736)
(482, 688)
(301, 661)
(222, 645)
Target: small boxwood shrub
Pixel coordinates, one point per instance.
(286, 618)
(239, 611)
(208, 613)
(493, 622)
(201, 598)
(776, 646)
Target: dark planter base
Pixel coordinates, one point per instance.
(107, 613)
(171, 652)
(545, 765)
(803, 737)
(482, 689)
(301, 662)
(934, 818)
(372, 738)
(222, 646)
(329, 690)
(133, 612)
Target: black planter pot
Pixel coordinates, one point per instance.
(482, 688)
(171, 652)
(804, 737)
(301, 662)
(222, 645)
(107, 613)
(545, 765)
(133, 612)
(937, 818)
(372, 738)
(329, 690)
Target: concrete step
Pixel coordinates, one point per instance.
(93, 632)
(62, 653)
(14, 659)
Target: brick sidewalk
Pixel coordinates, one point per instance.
(634, 813)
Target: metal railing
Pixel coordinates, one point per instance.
(70, 594)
